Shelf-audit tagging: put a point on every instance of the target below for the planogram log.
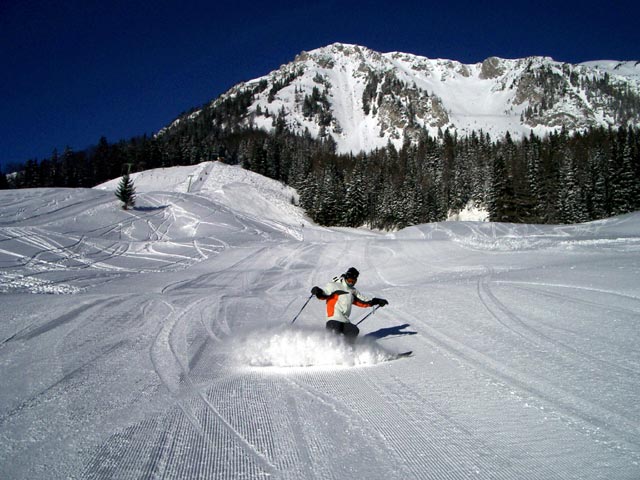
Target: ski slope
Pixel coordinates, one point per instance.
(157, 342)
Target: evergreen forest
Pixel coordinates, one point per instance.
(559, 178)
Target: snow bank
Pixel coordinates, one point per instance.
(251, 194)
(232, 186)
(171, 179)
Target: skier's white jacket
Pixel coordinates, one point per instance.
(340, 298)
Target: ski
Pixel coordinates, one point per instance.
(401, 355)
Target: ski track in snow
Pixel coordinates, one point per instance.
(525, 338)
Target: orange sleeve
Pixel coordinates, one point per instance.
(359, 303)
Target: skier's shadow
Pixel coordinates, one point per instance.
(390, 331)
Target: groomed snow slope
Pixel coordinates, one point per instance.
(169, 353)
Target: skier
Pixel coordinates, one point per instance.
(340, 294)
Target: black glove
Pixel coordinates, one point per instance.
(317, 291)
(379, 301)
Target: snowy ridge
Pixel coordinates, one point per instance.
(366, 99)
(169, 350)
(614, 67)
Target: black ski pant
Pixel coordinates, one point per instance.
(349, 330)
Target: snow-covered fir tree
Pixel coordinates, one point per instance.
(126, 192)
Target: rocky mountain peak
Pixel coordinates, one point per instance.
(362, 99)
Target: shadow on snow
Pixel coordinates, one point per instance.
(390, 332)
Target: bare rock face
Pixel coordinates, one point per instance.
(492, 67)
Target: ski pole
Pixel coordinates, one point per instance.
(368, 314)
(305, 304)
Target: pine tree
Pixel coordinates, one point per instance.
(600, 201)
(625, 196)
(534, 174)
(570, 206)
(329, 198)
(501, 197)
(412, 203)
(355, 210)
(4, 184)
(101, 161)
(126, 192)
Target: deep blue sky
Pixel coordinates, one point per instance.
(74, 71)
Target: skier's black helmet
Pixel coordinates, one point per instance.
(352, 273)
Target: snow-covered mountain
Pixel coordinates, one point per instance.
(363, 99)
(157, 342)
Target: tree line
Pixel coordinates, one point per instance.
(559, 178)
